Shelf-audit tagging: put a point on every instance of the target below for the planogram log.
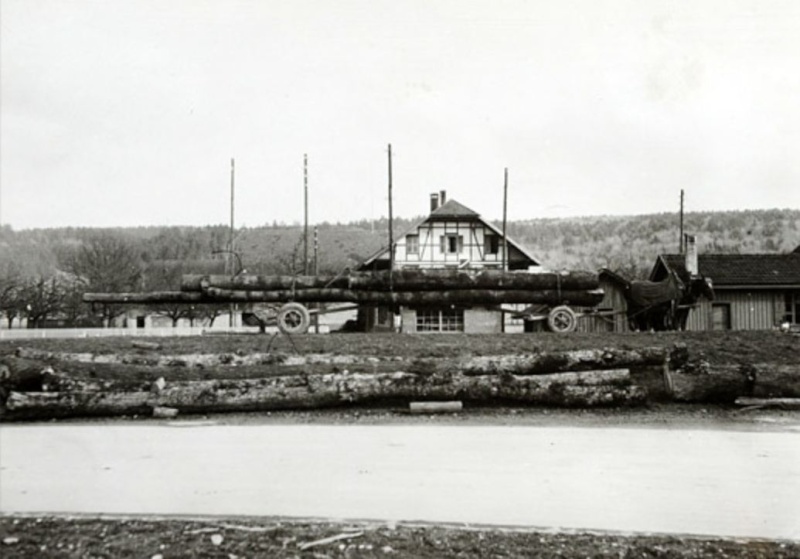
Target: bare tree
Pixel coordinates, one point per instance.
(106, 263)
(211, 311)
(165, 275)
(11, 285)
(43, 298)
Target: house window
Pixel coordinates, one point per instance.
(792, 308)
(491, 244)
(452, 244)
(412, 245)
(440, 320)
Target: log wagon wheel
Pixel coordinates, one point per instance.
(562, 319)
(293, 318)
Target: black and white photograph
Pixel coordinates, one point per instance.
(399, 279)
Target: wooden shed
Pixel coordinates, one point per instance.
(752, 291)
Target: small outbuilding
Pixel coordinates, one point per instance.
(751, 291)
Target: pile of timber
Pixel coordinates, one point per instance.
(45, 385)
(39, 389)
(403, 287)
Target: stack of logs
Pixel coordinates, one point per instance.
(40, 385)
(403, 287)
(43, 385)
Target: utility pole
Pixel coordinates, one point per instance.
(505, 220)
(316, 251)
(230, 234)
(681, 241)
(391, 224)
(305, 227)
(230, 238)
(316, 273)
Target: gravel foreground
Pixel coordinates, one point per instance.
(236, 538)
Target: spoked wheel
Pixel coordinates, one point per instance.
(293, 318)
(562, 319)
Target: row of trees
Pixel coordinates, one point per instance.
(106, 261)
(44, 272)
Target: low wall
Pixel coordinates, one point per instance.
(53, 333)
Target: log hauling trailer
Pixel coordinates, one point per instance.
(283, 300)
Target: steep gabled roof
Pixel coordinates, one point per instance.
(756, 270)
(454, 210)
(451, 208)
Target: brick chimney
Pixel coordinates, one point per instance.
(692, 265)
(434, 201)
(442, 197)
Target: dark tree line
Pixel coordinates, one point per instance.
(44, 272)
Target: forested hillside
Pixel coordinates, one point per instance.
(44, 272)
(628, 243)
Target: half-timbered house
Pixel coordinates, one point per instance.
(452, 236)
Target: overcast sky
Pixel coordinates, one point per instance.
(128, 112)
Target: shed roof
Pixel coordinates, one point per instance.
(743, 269)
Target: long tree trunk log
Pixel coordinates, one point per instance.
(40, 375)
(710, 383)
(588, 298)
(526, 364)
(543, 363)
(401, 280)
(563, 389)
(213, 295)
(149, 298)
(772, 381)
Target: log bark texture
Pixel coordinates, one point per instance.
(724, 383)
(702, 382)
(588, 298)
(775, 381)
(304, 392)
(526, 364)
(21, 374)
(149, 298)
(401, 280)
(543, 363)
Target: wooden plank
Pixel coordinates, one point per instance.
(783, 403)
(453, 406)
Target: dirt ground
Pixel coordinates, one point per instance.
(84, 537)
(32, 537)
